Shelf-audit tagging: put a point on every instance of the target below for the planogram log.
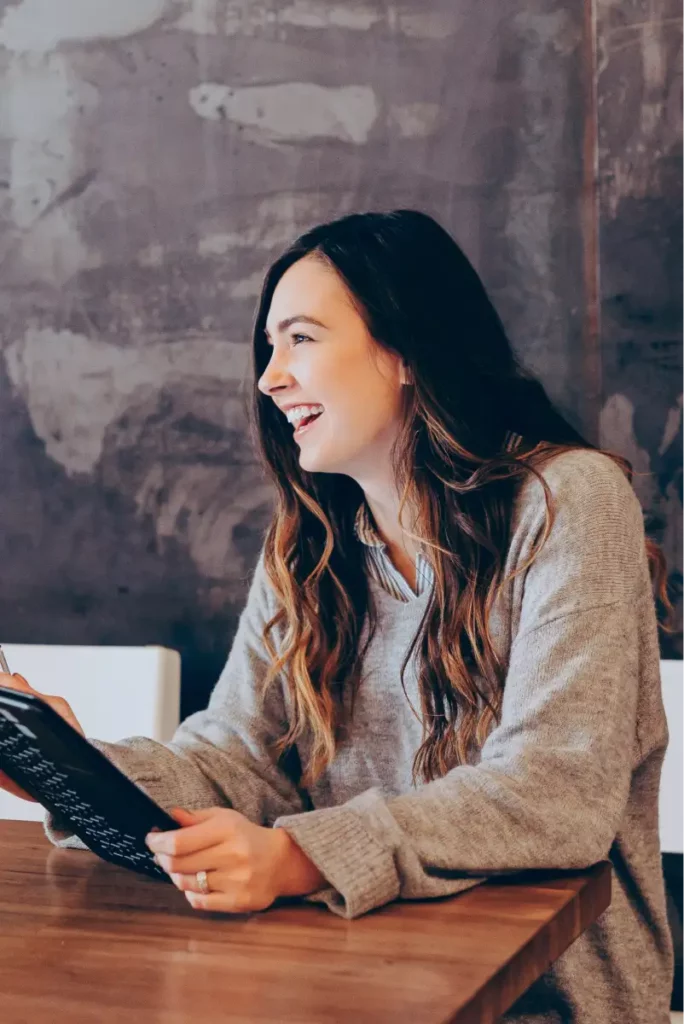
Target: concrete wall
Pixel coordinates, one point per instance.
(639, 89)
(155, 155)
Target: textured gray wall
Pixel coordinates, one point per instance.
(155, 155)
(640, 191)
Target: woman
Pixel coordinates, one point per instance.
(448, 665)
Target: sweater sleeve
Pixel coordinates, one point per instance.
(553, 778)
(221, 756)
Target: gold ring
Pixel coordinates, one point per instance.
(202, 882)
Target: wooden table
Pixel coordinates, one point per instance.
(84, 941)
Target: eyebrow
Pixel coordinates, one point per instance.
(299, 318)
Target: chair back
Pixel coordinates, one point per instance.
(671, 783)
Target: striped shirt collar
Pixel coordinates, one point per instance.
(380, 566)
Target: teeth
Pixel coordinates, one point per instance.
(300, 412)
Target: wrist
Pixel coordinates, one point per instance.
(297, 873)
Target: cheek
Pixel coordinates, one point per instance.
(363, 420)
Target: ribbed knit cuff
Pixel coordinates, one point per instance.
(360, 870)
(59, 834)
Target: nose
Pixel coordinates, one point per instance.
(276, 376)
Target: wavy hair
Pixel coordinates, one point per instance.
(420, 298)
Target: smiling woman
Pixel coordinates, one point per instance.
(448, 665)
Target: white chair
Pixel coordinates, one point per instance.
(671, 783)
(114, 692)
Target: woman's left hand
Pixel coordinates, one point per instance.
(248, 866)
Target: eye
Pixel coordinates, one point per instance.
(297, 338)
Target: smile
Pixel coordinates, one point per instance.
(306, 425)
(301, 416)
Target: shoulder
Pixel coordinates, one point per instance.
(585, 486)
(597, 528)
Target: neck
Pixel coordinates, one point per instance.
(384, 503)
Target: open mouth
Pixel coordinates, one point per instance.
(306, 424)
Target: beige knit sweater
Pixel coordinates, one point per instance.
(570, 775)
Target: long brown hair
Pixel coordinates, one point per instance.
(420, 298)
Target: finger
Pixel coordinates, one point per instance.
(202, 860)
(220, 902)
(58, 704)
(188, 882)
(184, 817)
(196, 816)
(189, 839)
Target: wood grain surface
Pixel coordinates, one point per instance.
(84, 941)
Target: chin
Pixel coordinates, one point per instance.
(313, 465)
(316, 462)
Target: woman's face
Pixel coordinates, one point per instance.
(324, 358)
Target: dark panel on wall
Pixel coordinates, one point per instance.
(640, 153)
(154, 157)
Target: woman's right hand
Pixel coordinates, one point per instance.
(58, 704)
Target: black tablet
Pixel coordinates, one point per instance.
(65, 773)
